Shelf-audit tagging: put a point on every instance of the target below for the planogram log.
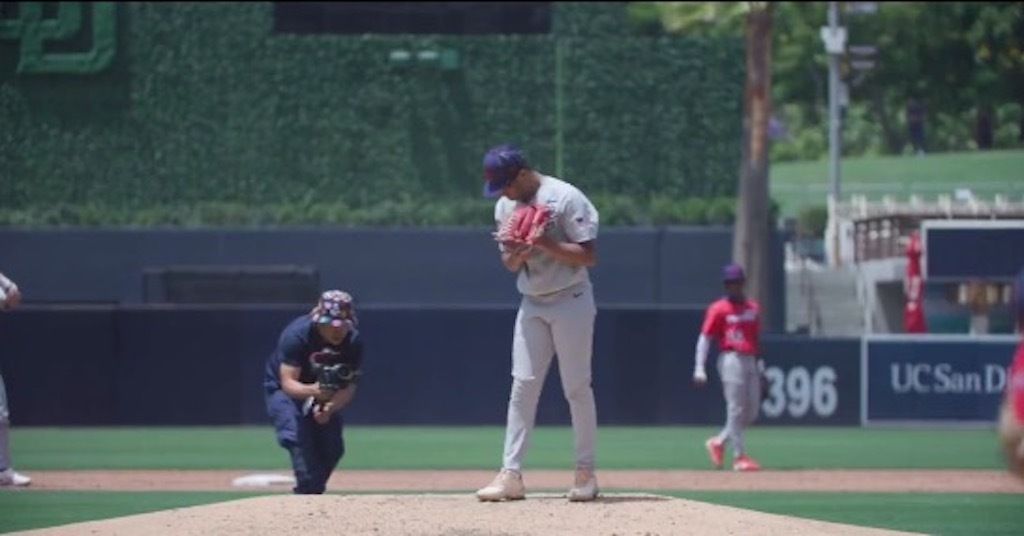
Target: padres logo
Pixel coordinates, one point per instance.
(33, 33)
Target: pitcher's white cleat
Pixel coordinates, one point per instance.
(10, 477)
(585, 486)
(507, 486)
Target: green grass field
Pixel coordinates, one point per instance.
(798, 184)
(389, 447)
(931, 513)
(253, 448)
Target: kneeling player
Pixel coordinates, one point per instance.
(309, 379)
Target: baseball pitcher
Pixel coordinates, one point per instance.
(309, 379)
(734, 323)
(546, 233)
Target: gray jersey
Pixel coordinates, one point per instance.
(575, 219)
(6, 285)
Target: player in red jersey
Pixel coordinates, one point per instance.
(1011, 418)
(734, 323)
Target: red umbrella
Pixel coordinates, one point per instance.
(913, 314)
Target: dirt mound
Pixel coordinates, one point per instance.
(547, 514)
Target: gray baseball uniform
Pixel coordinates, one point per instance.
(556, 316)
(735, 324)
(5, 453)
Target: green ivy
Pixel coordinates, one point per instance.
(206, 110)
(812, 221)
(404, 211)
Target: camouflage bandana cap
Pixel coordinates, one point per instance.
(335, 308)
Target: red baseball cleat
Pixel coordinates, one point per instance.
(716, 451)
(745, 463)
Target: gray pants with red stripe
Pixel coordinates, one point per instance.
(741, 385)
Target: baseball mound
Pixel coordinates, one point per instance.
(462, 514)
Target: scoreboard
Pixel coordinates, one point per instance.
(962, 250)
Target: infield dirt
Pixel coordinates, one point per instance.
(461, 515)
(441, 502)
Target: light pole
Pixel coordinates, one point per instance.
(839, 36)
(834, 37)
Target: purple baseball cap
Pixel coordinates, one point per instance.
(335, 308)
(501, 166)
(733, 273)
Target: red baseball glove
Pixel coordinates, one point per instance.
(525, 225)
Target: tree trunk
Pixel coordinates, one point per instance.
(752, 234)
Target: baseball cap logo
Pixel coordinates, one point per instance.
(501, 165)
(335, 308)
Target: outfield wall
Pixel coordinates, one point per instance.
(203, 365)
(663, 266)
(102, 365)
(938, 379)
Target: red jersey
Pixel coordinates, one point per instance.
(735, 326)
(1015, 384)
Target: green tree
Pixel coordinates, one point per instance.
(996, 37)
(798, 62)
(957, 57)
(754, 21)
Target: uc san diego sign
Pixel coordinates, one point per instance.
(934, 379)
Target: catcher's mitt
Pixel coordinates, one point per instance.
(525, 225)
(332, 375)
(331, 372)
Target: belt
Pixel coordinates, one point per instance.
(554, 294)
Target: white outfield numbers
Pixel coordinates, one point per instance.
(826, 397)
(799, 391)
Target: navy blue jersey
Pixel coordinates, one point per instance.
(299, 340)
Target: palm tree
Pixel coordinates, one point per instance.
(753, 20)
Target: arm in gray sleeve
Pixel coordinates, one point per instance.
(701, 356)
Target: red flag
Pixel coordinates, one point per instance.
(913, 314)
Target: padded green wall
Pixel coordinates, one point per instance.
(203, 102)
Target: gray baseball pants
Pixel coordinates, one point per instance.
(562, 324)
(741, 385)
(5, 453)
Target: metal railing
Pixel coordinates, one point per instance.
(810, 300)
(881, 228)
(882, 237)
(802, 195)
